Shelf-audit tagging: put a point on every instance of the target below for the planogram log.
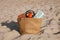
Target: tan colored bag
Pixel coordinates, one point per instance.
(29, 25)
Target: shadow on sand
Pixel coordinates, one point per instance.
(12, 25)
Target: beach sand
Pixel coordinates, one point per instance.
(10, 9)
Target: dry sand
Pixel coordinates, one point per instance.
(10, 9)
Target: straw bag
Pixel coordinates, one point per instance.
(29, 25)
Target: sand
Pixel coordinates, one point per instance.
(10, 9)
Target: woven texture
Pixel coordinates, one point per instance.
(29, 25)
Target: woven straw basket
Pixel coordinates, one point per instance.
(29, 25)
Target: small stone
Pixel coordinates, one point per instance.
(59, 19)
(50, 8)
